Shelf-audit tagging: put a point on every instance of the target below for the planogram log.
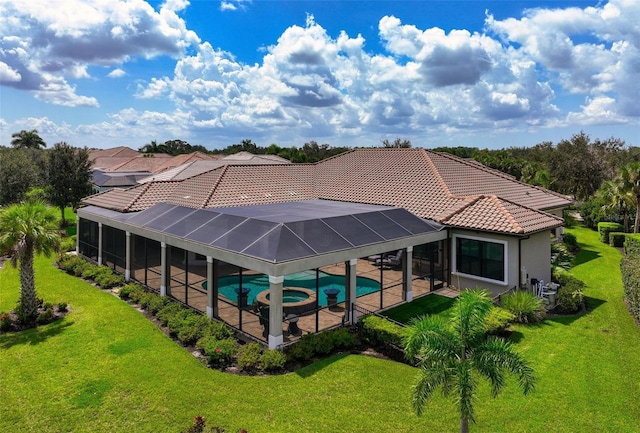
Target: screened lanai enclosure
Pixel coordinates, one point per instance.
(273, 271)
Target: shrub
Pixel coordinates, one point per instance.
(570, 294)
(630, 270)
(616, 239)
(62, 307)
(604, 228)
(157, 303)
(79, 267)
(561, 255)
(498, 320)
(176, 321)
(218, 330)
(5, 322)
(632, 244)
(249, 356)
(343, 338)
(272, 360)
(191, 328)
(107, 279)
(381, 332)
(221, 353)
(525, 306)
(303, 350)
(570, 240)
(166, 313)
(68, 244)
(90, 272)
(45, 316)
(129, 289)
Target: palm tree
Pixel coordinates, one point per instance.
(453, 351)
(630, 179)
(27, 140)
(27, 229)
(617, 199)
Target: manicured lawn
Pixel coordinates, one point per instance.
(105, 368)
(431, 304)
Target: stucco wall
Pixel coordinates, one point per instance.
(535, 256)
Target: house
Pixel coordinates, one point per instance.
(263, 246)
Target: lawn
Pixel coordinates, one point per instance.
(432, 304)
(105, 368)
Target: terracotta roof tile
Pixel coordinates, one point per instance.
(431, 185)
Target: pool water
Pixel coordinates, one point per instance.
(306, 279)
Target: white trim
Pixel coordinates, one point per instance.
(276, 279)
(454, 258)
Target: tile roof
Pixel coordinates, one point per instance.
(133, 199)
(194, 168)
(429, 184)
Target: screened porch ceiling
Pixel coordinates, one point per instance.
(278, 233)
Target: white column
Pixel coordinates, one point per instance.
(275, 311)
(163, 269)
(127, 257)
(77, 235)
(99, 243)
(350, 294)
(212, 288)
(407, 274)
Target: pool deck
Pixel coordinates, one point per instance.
(328, 317)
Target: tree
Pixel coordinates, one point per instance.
(152, 147)
(451, 352)
(617, 199)
(630, 181)
(397, 143)
(27, 229)
(20, 170)
(69, 176)
(27, 140)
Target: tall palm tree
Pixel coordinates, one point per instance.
(617, 198)
(27, 229)
(453, 351)
(630, 179)
(27, 140)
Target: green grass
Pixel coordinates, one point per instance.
(105, 368)
(431, 304)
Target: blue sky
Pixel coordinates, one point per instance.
(489, 74)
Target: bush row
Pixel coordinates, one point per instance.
(311, 345)
(379, 332)
(103, 276)
(630, 270)
(632, 244)
(214, 339)
(605, 228)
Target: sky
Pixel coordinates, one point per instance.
(487, 74)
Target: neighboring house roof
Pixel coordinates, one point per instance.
(120, 151)
(429, 184)
(194, 168)
(102, 179)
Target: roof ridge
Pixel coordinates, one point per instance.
(144, 188)
(497, 201)
(465, 203)
(434, 170)
(207, 199)
(538, 211)
(496, 172)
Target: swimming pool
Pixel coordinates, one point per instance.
(307, 279)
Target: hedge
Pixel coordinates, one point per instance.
(381, 332)
(632, 244)
(630, 270)
(616, 239)
(604, 228)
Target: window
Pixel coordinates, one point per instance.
(480, 258)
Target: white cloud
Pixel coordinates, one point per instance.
(47, 46)
(593, 51)
(8, 74)
(234, 5)
(116, 73)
